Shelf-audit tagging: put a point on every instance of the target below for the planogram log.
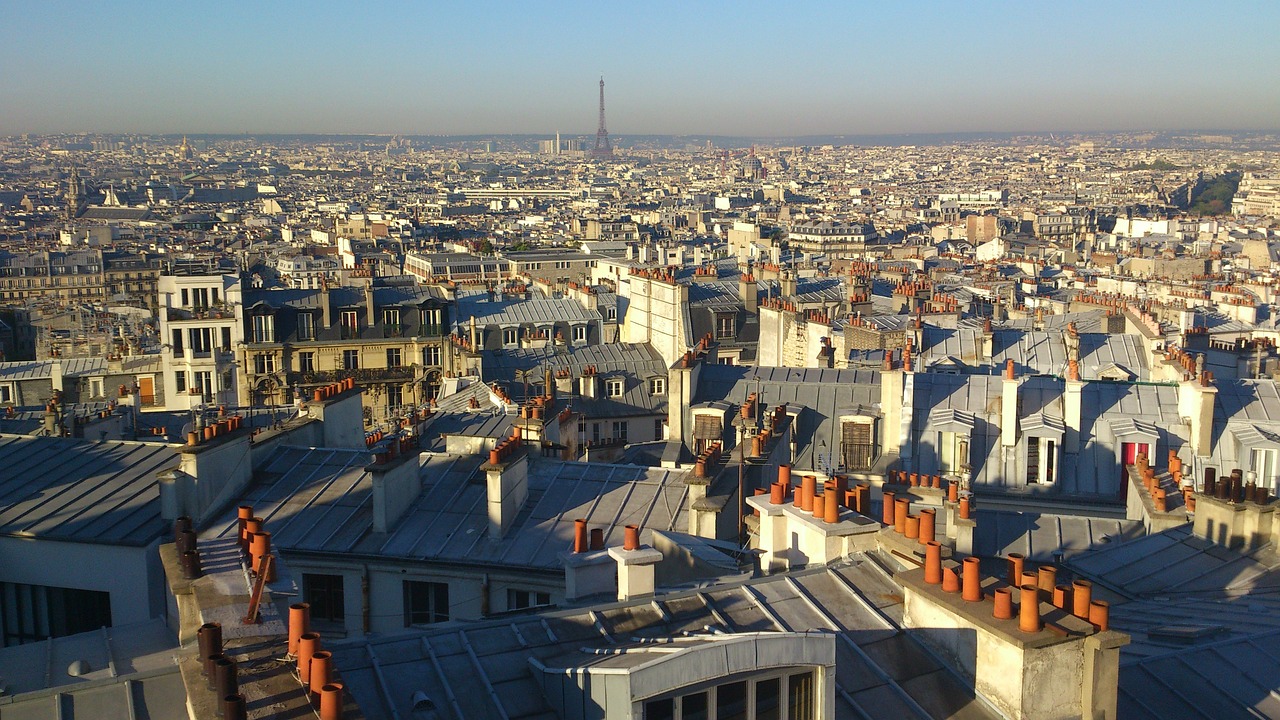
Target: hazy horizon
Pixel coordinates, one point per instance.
(712, 69)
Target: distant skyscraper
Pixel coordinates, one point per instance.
(603, 149)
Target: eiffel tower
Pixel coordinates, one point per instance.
(602, 149)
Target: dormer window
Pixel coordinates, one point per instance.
(614, 387)
(858, 444)
(657, 386)
(350, 320)
(306, 326)
(726, 326)
(391, 316)
(264, 329)
(1041, 460)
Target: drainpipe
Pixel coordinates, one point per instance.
(484, 596)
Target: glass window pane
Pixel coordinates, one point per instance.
(800, 700)
(768, 699)
(660, 709)
(731, 701)
(694, 707)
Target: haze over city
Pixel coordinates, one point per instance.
(639, 361)
(672, 68)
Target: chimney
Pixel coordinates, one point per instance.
(1195, 402)
(588, 383)
(636, 564)
(747, 291)
(342, 413)
(548, 385)
(891, 404)
(1009, 406)
(1072, 398)
(788, 283)
(507, 486)
(988, 341)
(396, 485)
(368, 305)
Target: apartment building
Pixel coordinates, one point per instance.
(389, 339)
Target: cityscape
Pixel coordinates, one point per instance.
(549, 393)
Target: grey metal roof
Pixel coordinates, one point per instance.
(100, 492)
(131, 675)
(1176, 562)
(822, 394)
(43, 369)
(509, 311)
(881, 671)
(1236, 678)
(319, 500)
(1043, 537)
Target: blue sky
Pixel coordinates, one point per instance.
(729, 68)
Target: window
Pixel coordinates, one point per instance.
(203, 383)
(31, 613)
(391, 316)
(393, 357)
(611, 313)
(580, 333)
(953, 452)
(324, 593)
(725, 326)
(306, 362)
(180, 381)
(95, 388)
(659, 429)
(801, 700)
(857, 446)
(731, 701)
(431, 356)
(1041, 459)
(614, 387)
(509, 336)
(351, 359)
(226, 339)
(202, 339)
(350, 320)
(657, 386)
(425, 602)
(595, 432)
(432, 320)
(769, 699)
(264, 329)
(1263, 462)
(620, 430)
(264, 363)
(306, 326)
(521, 599)
(694, 707)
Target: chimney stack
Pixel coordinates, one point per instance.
(635, 566)
(1009, 407)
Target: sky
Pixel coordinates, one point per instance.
(739, 68)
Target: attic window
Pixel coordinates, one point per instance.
(725, 326)
(614, 387)
(657, 386)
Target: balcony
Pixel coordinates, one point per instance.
(406, 373)
(182, 314)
